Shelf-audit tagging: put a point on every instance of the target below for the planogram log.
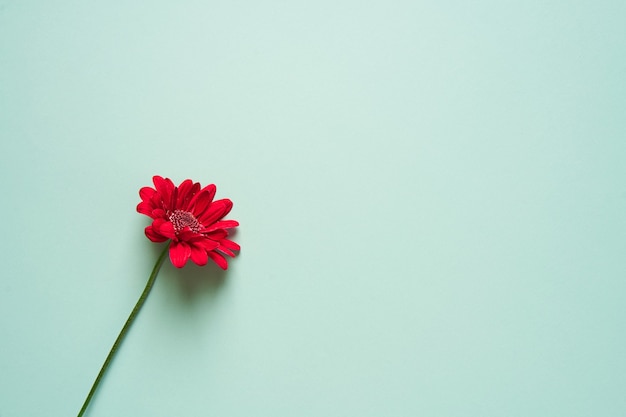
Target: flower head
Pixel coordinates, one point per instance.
(188, 216)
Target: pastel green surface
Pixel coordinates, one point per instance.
(431, 194)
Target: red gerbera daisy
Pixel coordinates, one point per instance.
(189, 217)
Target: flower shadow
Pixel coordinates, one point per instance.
(192, 282)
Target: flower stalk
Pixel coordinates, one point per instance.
(124, 331)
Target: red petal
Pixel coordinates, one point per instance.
(210, 189)
(226, 251)
(154, 236)
(157, 223)
(179, 253)
(218, 259)
(145, 208)
(185, 204)
(183, 191)
(229, 244)
(198, 255)
(156, 213)
(205, 243)
(186, 234)
(165, 188)
(167, 229)
(146, 193)
(164, 227)
(218, 209)
(156, 200)
(172, 204)
(202, 202)
(224, 224)
(218, 234)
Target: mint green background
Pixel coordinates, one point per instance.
(432, 198)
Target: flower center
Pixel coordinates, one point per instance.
(181, 219)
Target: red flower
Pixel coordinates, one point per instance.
(189, 217)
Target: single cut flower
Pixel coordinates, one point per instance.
(188, 216)
(194, 223)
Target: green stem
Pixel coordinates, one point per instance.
(129, 322)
